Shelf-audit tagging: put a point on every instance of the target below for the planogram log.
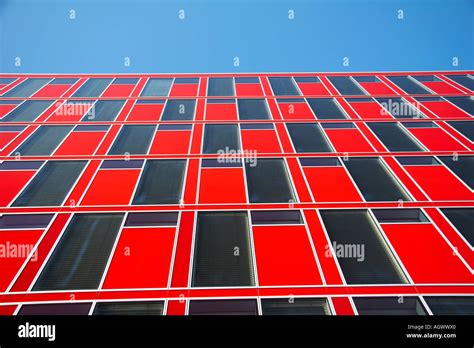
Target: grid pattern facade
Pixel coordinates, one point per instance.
(264, 194)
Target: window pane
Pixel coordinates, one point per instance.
(157, 88)
(129, 308)
(463, 167)
(220, 86)
(105, 110)
(253, 109)
(408, 85)
(223, 307)
(79, 259)
(283, 86)
(218, 137)
(326, 108)
(393, 137)
(307, 137)
(134, 140)
(56, 309)
(463, 220)
(268, 182)
(399, 215)
(276, 217)
(465, 103)
(389, 306)
(374, 181)
(450, 305)
(464, 80)
(345, 85)
(51, 184)
(222, 254)
(297, 306)
(26, 88)
(44, 141)
(92, 88)
(361, 251)
(28, 111)
(466, 128)
(179, 110)
(161, 182)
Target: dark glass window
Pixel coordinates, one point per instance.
(389, 306)
(283, 86)
(152, 219)
(105, 110)
(78, 261)
(295, 306)
(51, 184)
(307, 79)
(161, 182)
(27, 111)
(366, 78)
(223, 307)
(253, 109)
(408, 85)
(159, 87)
(374, 180)
(44, 141)
(399, 215)
(218, 137)
(268, 182)
(220, 86)
(345, 85)
(186, 80)
(129, 308)
(326, 108)
(27, 88)
(417, 160)
(466, 128)
(222, 252)
(64, 81)
(276, 217)
(133, 140)
(308, 137)
(25, 221)
(450, 305)
(464, 80)
(462, 166)
(56, 309)
(363, 255)
(125, 81)
(400, 108)
(92, 88)
(179, 110)
(464, 103)
(463, 220)
(393, 137)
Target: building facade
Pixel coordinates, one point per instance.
(296, 193)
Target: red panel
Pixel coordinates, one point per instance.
(426, 255)
(221, 112)
(111, 187)
(370, 110)
(248, 90)
(184, 90)
(145, 112)
(183, 250)
(313, 89)
(331, 184)
(52, 91)
(342, 306)
(262, 141)
(118, 90)
(377, 88)
(6, 137)
(142, 259)
(436, 139)
(445, 109)
(298, 180)
(80, 143)
(441, 87)
(439, 183)
(16, 245)
(5, 109)
(11, 183)
(339, 139)
(284, 256)
(177, 307)
(292, 111)
(7, 310)
(222, 185)
(171, 142)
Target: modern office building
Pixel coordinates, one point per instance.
(295, 193)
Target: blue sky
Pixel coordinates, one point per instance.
(214, 32)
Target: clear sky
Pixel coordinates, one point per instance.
(213, 32)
